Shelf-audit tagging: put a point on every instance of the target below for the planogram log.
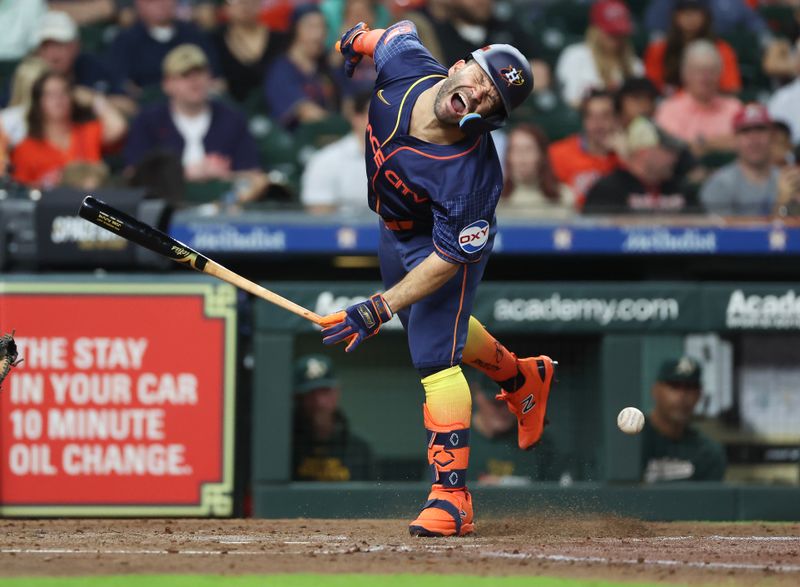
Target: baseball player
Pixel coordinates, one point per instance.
(434, 180)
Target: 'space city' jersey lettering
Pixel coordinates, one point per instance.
(448, 191)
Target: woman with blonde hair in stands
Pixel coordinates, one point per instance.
(60, 132)
(531, 186)
(14, 118)
(605, 59)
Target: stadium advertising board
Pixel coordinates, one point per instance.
(124, 404)
(579, 307)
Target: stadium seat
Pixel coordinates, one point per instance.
(550, 113)
(7, 69)
(150, 95)
(748, 52)
(203, 192)
(638, 8)
(780, 19)
(717, 159)
(96, 37)
(276, 148)
(553, 40)
(324, 132)
(569, 16)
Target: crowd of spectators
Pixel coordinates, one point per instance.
(685, 106)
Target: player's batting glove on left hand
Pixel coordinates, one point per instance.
(347, 48)
(356, 323)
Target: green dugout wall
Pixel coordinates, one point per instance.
(609, 339)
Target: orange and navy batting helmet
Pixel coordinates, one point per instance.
(511, 74)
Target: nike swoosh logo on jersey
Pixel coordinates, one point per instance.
(381, 98)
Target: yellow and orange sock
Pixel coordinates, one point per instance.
(484, 352)
(447, 413)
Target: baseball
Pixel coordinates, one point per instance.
(630, 420)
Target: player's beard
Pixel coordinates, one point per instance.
(441, 106)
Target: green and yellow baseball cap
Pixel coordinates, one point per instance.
(313, 372)
(684, 371)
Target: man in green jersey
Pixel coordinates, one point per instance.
(672, 449)
(324, 449)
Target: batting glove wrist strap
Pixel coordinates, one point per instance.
(357, 323)
(347, 47)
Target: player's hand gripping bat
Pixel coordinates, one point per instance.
(128, 227)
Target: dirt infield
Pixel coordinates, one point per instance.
(599, 548)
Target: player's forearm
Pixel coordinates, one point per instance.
(365, 44)
(420, 282)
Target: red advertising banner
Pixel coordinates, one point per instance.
(124, 402)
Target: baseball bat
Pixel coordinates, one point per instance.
(105, 216)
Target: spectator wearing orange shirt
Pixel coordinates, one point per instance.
(581, 159)
(60, 132)
(691, 21)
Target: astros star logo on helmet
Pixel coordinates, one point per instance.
(512, 75)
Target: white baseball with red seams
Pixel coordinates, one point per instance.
(630, 420)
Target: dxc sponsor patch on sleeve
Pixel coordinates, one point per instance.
(474, 237)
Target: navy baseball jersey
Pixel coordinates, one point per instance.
(448, 192)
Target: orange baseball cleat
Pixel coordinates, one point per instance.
(529, 402)
(448, 512)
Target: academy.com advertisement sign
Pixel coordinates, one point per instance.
(521, 307)
(124, 402)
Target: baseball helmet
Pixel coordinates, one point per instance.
(511, 75)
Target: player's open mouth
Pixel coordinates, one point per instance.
(459, 104)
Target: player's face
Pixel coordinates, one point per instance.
(676, 403)
(467, 89)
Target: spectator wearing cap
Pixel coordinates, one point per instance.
(728, 17)
(58, 44)
(645, 183)
(604, 59)
(784, 105)
(335, 179)
(673, 449)
(691, 21)
(297, 86)
(747, 186)
(137, 52)
(323, 447)
(211, 138)
(583, 158)
(19, 22)
(700, 115)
